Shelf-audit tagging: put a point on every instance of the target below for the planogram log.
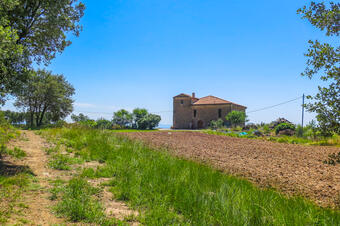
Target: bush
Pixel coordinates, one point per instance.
(216, 124)
(103, 124)
(284, 126)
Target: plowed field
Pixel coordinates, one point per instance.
(290, 168)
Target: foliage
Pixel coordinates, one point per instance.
(236, 118)
(12, 188)
(78, 204)
(284, 126)
(172, 191)
(62, 162)
(7, 132)
(333, 159)
(79, 118)
(103, 124)
(140, 119)
(15, 152)
(123, 118)
(16, 118)
(45, 95)
(324, 59)
(149, 121)
(320, 141)
(216, 124)
(138, 114)
(33, 31)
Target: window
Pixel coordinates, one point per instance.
(182, 101)
(195, 113)
(219, 113)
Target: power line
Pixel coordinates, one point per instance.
(265, 108)
(168, 111)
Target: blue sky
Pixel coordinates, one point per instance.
(136, 53)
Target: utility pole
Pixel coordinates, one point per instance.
(303, 108)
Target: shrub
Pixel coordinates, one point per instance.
(216, 124)
(333, 159)
(284, 126)
(103, 124)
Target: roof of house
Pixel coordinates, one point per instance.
(210, 100)
(182, 94)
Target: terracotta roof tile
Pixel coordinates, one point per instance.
(211, 100)
(182, 94)
(208, 100)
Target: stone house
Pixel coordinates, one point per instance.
(190, 112)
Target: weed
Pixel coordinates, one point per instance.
(78, 203)
(63, 162)
(172, 191)
(333, 159)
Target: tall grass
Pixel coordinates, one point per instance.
(169, 190)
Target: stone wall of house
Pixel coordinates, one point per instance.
(207, 113)
(182, 112)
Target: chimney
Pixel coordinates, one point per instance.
(193, 95)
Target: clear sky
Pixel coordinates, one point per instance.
(135, 53)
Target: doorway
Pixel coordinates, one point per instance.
(200, 124)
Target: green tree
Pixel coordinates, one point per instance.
(16, 118)
(122, 118)
(138, 114)
(236, 118)
(45, 94)
(11, 54)
(149, 121)
(323, 60)
(80, 118)
(103, 124)
(33, 31)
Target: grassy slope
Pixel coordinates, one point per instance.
(169, 190)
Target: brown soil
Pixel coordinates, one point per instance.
(39, 211)
(39, 206)
(290, 168)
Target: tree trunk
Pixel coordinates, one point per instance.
(42, 115)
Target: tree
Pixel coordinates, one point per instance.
(103, 124)
(33, 31)
(45, 94)
(11, 60)
(236, 118)
(144, 120)
(80, 118)
(323, 60)
(15, 118)
(138, 114)
(149, 121)
(122, 118)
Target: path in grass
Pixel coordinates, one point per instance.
(38, 205)
(38, 201)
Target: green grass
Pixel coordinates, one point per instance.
(331, 141)
(63, 162)
(11, 190)
(168, 190)
(79, 203)
(15, 152)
